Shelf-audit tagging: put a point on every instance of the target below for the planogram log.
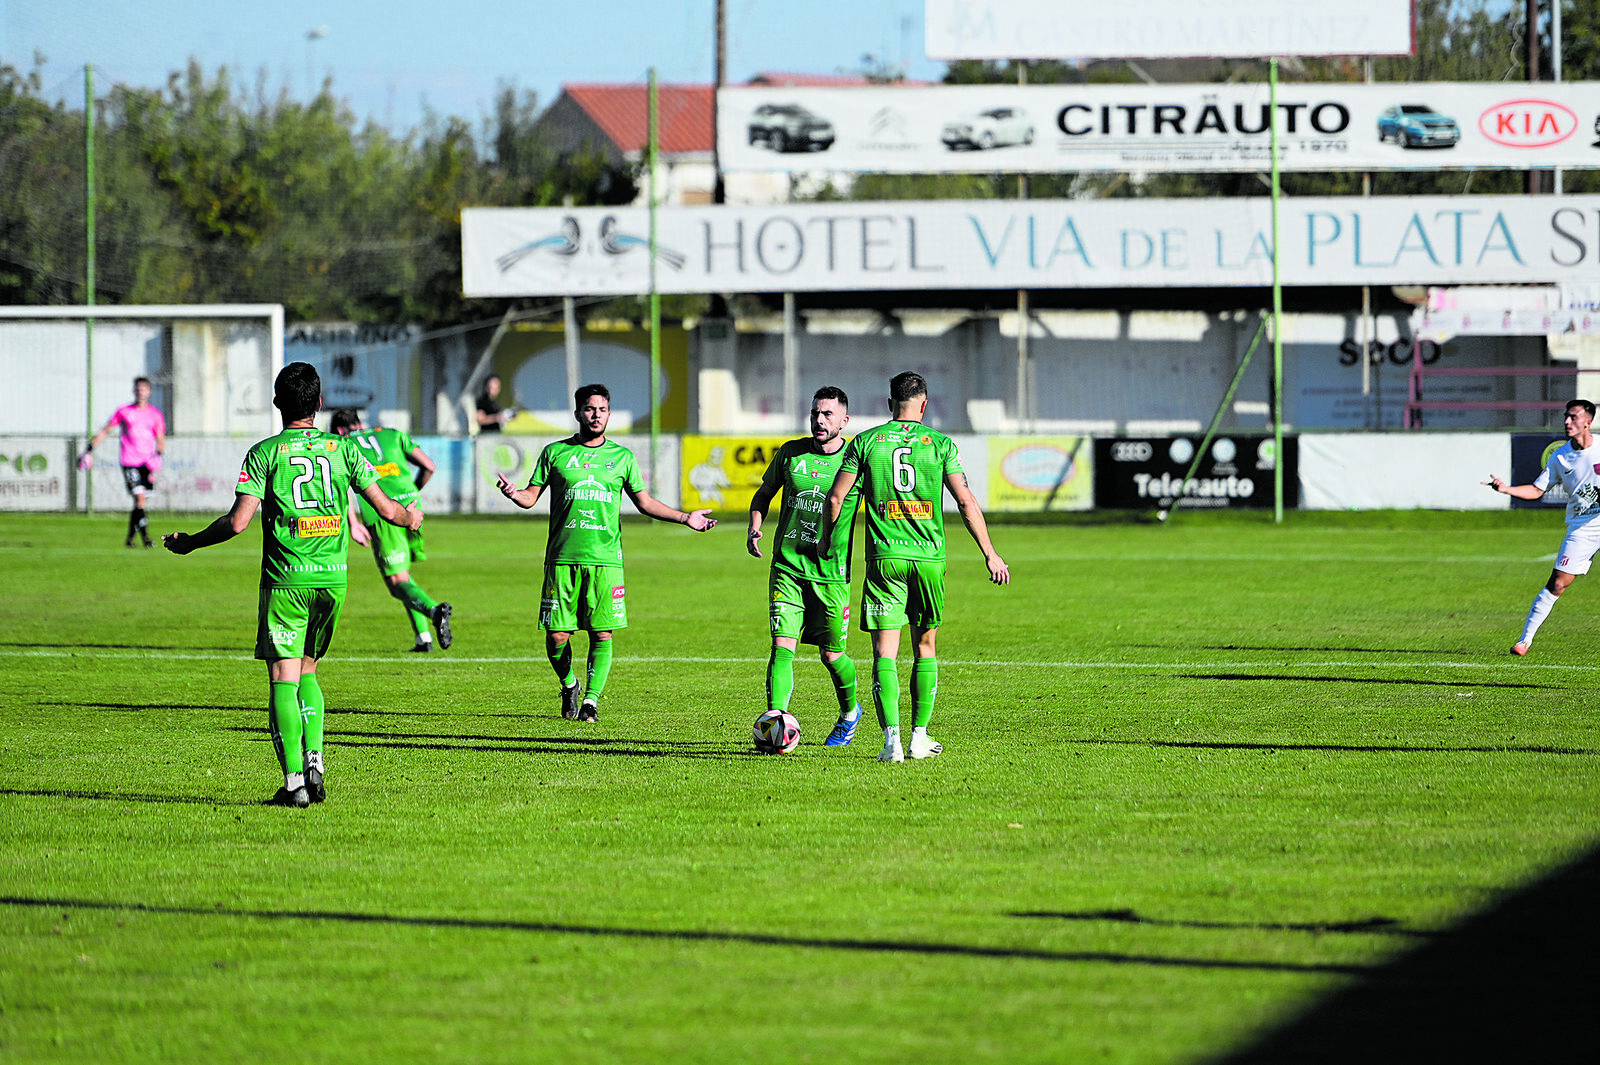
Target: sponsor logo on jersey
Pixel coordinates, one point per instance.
(318, 525)
(388, 469)
(618, 594)
(927, 440)
(908, 510)
(284, 449)
(330, 445)
(279, 636)
(244, 478)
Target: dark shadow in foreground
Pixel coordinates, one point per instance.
(1514, 984)
(1368, 926)
(690, 935)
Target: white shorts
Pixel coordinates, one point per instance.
(1578, 548)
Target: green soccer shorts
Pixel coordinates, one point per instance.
(810, 611)
(902, 591)
(590, 598)
(395, 547)
(297, 622)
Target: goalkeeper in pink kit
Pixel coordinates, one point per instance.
(144, 438)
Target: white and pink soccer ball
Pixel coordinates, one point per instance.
(776, 732)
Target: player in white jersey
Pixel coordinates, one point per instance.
(1576, 464)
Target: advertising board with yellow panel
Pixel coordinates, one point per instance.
(1040, 473)
(722, 473)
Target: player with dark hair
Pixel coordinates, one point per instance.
(1576, 465)
(809, 596)
(903, 467)
(143, 432)
(583, 587)
(300, 479)
(391, 452)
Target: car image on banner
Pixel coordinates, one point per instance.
(789, 128)
(994, 128)
(1417, 126)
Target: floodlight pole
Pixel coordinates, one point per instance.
(1277, 314)
(89, 272)
(655, 298)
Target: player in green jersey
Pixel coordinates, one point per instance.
(391, 453)
(903, 467)
(587, 475)
(809, 595)
(300, 480)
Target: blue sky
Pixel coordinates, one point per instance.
(387, 57)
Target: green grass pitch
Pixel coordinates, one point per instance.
(1205, 785)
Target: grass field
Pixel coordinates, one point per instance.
(1212, 791)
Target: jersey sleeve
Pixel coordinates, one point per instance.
(1548, 474)
(254, 476)
(852, 456)
(541, 468)
(772, 479)
(952, 459)
(632, 479)
(362, 472)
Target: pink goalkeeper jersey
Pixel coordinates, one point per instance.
(139, 427)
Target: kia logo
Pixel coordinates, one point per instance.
(1528, 123)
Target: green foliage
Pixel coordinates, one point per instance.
(1197, 777)
(208, 193)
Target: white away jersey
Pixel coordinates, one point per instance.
(1579, 473)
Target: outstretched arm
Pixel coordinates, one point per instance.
(698, 520)
(972, 516)
(1529, 492)
(522, 497)
(390, 511)
(758, 513)
(843, 481)
(225, 528)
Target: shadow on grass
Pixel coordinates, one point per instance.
(1515, 983)
(114, 796)
(632, 747)
(1403, 681)
(875, 946)
(1213, 745)
(134, 708)
(1386, 926)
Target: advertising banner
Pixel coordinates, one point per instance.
(1529, 453)
(1160, 128)
(515, 455)
(1040, 473)
(722, 473)
(1173, 29)
(1145, 473)
(995, 244)
(35, 473)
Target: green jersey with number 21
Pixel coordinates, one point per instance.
(303, 478)
(901, 468)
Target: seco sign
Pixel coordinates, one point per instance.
(1528, 123)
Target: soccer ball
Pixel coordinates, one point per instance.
(776, 732)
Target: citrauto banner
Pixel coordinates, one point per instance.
(1009, 244)
(1235, 472)
(1156, 128)
(1040, 473)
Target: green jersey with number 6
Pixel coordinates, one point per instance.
(901, 468)
(303, 478)
(805, 475)
(585, 485)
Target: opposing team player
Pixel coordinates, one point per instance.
(300, 479)
(392, 453)
(809, 595)
(583, 586)
(904, 468)
(143, 433)
(1576, 465)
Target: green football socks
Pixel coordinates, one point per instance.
(560, 655)
(886, 692)
(311, 711)
(599, 668)
(843, 671)
(288, 732)
(924, 689)
(419, 625)
(780, 678)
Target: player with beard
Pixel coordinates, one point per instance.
(809, 596)
(587, 475)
